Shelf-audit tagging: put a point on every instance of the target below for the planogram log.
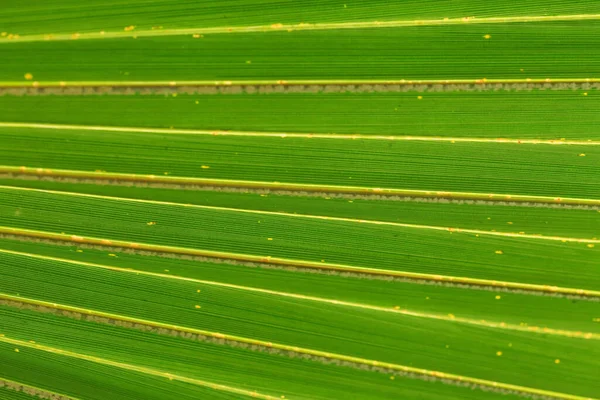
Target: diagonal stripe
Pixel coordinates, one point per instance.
(33, 390)
(562, 239)
(298, 189)
(292, 135)
(268, 261)
(314, 354)
(293, 27)
(137, 368)
(469, 321)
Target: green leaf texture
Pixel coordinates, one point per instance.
(299, 200)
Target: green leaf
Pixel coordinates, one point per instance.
(299, 200)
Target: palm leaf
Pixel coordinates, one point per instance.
(278, 199)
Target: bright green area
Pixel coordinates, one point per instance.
(505, 168)
(520, 50)
(545, 114)
(31, 16)
(351, 243)
(83, 379)
(514, 308)
(276, 375)
(424, 343)
(576, 223)
(502, 51)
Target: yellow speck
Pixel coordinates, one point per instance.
(392, 377)
(197, 102)
(522, 70)
(205, 167)
(498, 297)
(248, 62)
(112, 255)
(79, 251)
(489, 218)
(596, 319)
(16, 350)
(269, 238)
(488, 36)
(197, 36)
(557, 361)
(427, 298)
(396, 307)
(585, 93)
(420, 97)
(498, 353)
(150, 223)
(590, 245)
(499, 252)
(129, 28)
(277, 26)
(166, 270)
(451, 316)
(345, 6)
(28, 76)
(197, 306)
(322, 260)
(198, 291)
(510, 345)
(447, 346)
(510, 223)
(581, 154)
(174, 95)
(3, 34)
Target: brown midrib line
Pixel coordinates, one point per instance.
(174, 84)
(195, 183)
(33, 391)
(119, 245)
(264, 87)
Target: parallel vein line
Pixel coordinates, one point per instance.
(293, 135)
(314, 217)
(277, 27)
(314, 355)
(291, 189)
(395, 310)
(137, 368)
(268, 261)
